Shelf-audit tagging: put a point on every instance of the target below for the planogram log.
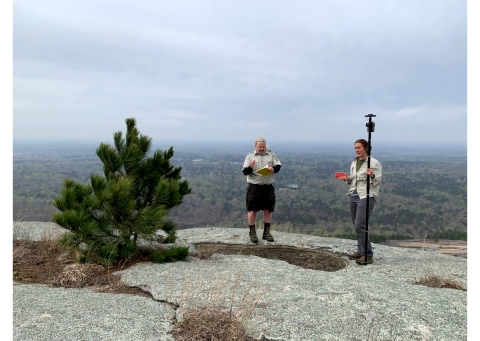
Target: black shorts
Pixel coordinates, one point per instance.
(260, 197)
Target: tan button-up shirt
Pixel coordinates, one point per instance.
(261, 160)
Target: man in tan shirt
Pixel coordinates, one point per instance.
(260, 191)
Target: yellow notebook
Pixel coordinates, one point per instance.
(264, 171)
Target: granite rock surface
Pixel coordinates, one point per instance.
(276, 300)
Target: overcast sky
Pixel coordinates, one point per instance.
(235, 70)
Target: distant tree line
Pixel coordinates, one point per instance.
(417, 197)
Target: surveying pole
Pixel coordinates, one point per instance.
(370, 129)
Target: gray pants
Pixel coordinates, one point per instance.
(358, 209)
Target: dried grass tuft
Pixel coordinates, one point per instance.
(208, 325)
(77, 275)
(435, 281)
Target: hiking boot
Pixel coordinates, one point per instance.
(267, 235)
(253, 235)
(354, 255)
(362, 260)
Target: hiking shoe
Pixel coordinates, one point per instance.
(354, 255)
(362, 260)
(267, 235)
(253, 235)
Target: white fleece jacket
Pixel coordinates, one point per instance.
(358, 180)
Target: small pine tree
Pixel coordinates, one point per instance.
(130, 201)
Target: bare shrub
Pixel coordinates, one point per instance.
(217, 308)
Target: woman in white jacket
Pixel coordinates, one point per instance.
(359, 173)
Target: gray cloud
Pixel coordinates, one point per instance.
(203, 70)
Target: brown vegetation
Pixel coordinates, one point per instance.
(435, 281)
(44, 262)
(206, 325)
(307, 259)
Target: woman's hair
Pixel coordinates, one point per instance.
(364, 144)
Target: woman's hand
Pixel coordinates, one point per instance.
(370, 172)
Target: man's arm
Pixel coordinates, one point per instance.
(276, 163)
(247, 170)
